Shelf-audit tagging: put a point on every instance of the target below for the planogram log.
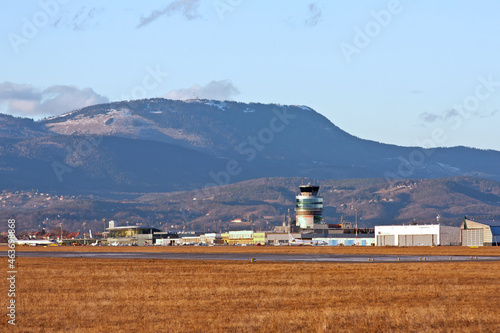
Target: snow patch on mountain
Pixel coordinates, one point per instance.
(218, 104)
(122, 123)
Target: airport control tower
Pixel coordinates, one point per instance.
(308, 207)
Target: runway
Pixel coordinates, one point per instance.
(272, 257)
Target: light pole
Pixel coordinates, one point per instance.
(356, 222)
(356, 226)
(84, 228)
(60, 224)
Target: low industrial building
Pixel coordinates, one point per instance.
(416, 235)
(280, 238)
(240, 237)
(347, 240)
(190, 240)
(480, 233)
(211, 238)
(166, 238)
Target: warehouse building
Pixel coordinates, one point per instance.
(280, 238)
(416, 235)
(480, 233)
(212, 238)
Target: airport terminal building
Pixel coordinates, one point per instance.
(131, 235)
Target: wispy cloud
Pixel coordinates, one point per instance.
(219, 90)
(187, 8)
(428, 117)
(81, 20)
(84, 17)
(28, 101)
(314, 15)
(488, 114)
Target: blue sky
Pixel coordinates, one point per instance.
(412, 73)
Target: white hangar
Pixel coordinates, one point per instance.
(416, 235)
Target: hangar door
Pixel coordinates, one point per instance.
(385, 240)
(472, 237)
(417, 240)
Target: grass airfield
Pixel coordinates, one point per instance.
(95, 295)
(352, 250)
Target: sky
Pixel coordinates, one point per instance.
(410, 73)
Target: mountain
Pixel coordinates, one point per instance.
(160, 145)
(261, 204)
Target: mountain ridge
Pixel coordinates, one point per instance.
(200, 143)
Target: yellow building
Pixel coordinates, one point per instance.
(225, 238)
(259, 238)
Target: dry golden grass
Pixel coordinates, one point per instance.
(389, 250)
(83, 295)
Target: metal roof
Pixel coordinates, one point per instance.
(133, 227)
(495, 231)
(308, 236)
(491, 223)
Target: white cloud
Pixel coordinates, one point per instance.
(218, 90)
(188, 9)
(28, 101)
